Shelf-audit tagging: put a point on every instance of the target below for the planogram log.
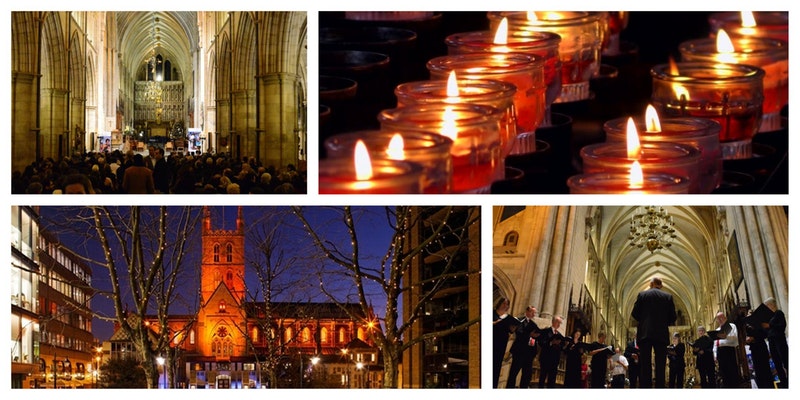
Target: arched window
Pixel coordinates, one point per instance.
(191, 336)
(254, 334)
(511, 239)
(222, 306)
(342, 335)
(361, 333)
(229, 276)
(323, 335)
(229, 252)
(306, 335)
(216, 252)
(288, 334)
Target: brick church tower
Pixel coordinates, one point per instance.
(223, 258)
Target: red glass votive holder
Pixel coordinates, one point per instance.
(475, 130)
(338, 176)
(768, 54)
(581, 43)
(430, 150)
(701, 133)
(619, 183)
(524, 71)
(668, 158)
(772, 25)
(540, 44)
(497, 94)
(731, 94)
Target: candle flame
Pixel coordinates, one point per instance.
(725, 48)
(449, 123)
(362, 162)
(673, 67)
(501, 34)
(748, 19)
(635, 176)
(681, 93)
(396, 148)
(634, 146)
(651, 119)
(452, 85)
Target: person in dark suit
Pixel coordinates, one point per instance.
(756, 339)
(600, 354)
(632, 354)
(574, 350)
(676, 352)
(776, 334)
(502, 326)
(703, 349)
(550, 340)
(655, 311)
(523, 350)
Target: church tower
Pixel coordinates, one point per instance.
(223, 258)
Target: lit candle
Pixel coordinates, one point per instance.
(524, 71)
(361, 175)
(730, 94)
(702, 133)
(771, 25)
(475, 132)
(653, 157)
(768, 54)
(430, 150)
(581, 43)
(632, 181)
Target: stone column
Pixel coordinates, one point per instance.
(23, 120)
(279, 113)
(554, 266)
(541, 259)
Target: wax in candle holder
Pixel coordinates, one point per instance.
(540, 44)
(338, 176)
(581, 42)
(475, 130)
(655, 157)
(731, 94)
(701, 133)
(768, 54)
(619, 183)
(772, 25)
(430, 150)
(524, 71)
(497, 94)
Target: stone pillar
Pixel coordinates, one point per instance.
(759, 257)
(745, 254)
(23, 120)
(279, 115)
(538, 282)
(554, 265)
(769, 228)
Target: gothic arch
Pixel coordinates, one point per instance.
(503, 287)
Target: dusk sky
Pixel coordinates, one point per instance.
(374, 239)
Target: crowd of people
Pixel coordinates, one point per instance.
(643, 361)
(117, 172)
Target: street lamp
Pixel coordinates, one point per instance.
(160, 361)
(360, 368)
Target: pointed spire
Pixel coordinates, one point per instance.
(206, 220)
(240, 221)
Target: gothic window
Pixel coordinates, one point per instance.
(229, 276)
(511, 239)
(216, 252)
(306, 335)
(324, 335)
(342, 335)
(254, 334)
(191, 336)
(222, 306)
(229, 252)
(288, 334)
(361, 333)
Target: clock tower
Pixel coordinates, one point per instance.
(223, 258)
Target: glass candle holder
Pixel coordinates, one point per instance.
(731, 94)
(771, 25)
(524, 71)
(669, 158)
(430, 150)
(701, 133)
(497, 94)
(475, 130)
(338, 176)
(619, 183)
(581, 43)
(540, 44)
(768, 54)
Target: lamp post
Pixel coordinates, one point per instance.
(160, 361)
(360, 368)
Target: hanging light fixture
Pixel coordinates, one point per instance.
(652, 228)
(153, 89)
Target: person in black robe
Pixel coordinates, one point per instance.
(550, 340)
(574, 351)
(632, 354)
(778, 347)
(676, 353)
(756, 339)
(502, 326)
(703, 349)
(600, 354)
(523, 350)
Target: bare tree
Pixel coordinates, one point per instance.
(417, 232)
(144, 251)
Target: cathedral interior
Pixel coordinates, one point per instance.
(587, 263)
(188, 81)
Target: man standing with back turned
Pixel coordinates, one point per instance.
(655, 311)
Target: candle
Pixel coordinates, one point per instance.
(769, 54)
(581, 40)
(653, 157)
(361, 175)
(493, 93)
(431, 151)
(524, 71)
(772, 25)
(633, 181)
(475, 131)
(540, 44)
(730, 94)
(701, 133)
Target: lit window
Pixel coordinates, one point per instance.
(216, 252)
(229, 252)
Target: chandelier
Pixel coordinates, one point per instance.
(652, 228)
(153, 90)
